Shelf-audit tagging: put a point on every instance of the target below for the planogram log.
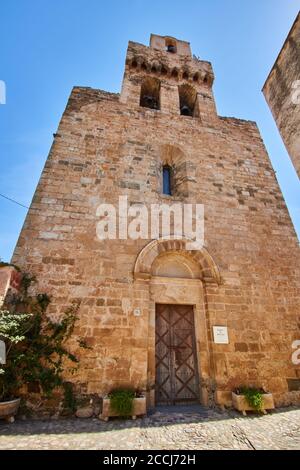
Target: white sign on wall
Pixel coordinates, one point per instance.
(220, 335)
(2, 352)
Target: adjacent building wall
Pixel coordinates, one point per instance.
(282, 92)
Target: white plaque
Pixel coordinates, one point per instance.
(220, 334)
(2, 352)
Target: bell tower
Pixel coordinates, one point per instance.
(166, 78)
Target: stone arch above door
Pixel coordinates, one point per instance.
(175, 264)
(206, 268)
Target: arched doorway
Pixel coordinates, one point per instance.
(178, 347)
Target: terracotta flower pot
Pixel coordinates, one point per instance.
(138, 408)
(9, 409)
(240, 403)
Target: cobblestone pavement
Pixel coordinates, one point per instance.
(195, 429)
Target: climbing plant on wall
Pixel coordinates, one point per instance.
(36, 346)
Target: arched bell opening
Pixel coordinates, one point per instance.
(150, 93)
(171, 45)
(188, 101)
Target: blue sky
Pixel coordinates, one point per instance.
(48, 46)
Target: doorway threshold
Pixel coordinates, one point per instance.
(180, 409)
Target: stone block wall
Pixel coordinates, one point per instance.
(10, 279)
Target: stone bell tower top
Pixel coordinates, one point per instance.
(169, 44)
(169, 57)
(167, 78)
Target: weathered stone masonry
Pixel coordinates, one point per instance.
(282, 92)
(246, 277)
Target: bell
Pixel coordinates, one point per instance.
(185, 111)
(150, 102)
(171, 48)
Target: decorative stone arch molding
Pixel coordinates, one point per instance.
(209, 272)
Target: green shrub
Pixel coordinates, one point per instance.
(36, 347)
(254, 397)
(121, 401)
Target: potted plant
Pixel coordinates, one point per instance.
(35, 350)
(252, 399)
(12, 330)
(123, 402)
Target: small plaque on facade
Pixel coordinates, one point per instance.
(2, 352)
(137, 312)
(220, 335)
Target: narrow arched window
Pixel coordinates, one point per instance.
(167, 180)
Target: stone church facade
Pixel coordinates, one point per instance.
(148, 308)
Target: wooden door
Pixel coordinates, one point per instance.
(175, 355)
